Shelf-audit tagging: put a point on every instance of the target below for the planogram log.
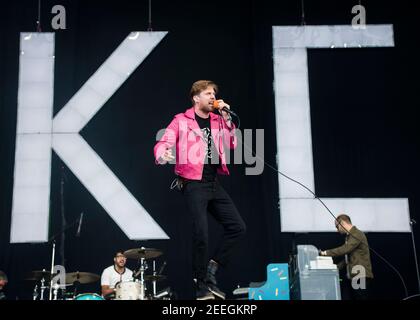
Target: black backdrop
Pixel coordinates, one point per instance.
(363, 107)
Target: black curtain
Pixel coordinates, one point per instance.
(364, 113)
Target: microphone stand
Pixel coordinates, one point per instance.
(63, 217)
(412, 223)
(52, 239)
(52, 270)
(63, 237)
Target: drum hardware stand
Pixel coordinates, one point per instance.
(142, 267)
(154, 279)
(56, 287)
(167, 291)
(35, 293)
(43, 287)
(76, 287)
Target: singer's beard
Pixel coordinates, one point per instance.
(207, 108)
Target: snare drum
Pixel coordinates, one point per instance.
(129, 290)
(89, 296)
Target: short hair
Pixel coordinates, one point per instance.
(200, 86)
(344, 217)
(117, 252)
(3, 276)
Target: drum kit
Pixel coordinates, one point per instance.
(42, 279)
(137, 289)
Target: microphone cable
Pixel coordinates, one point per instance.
(330, 212)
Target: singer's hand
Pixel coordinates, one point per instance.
(167, 156)
(221, 104)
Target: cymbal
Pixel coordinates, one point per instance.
(146, 253)
(38, 275)
(81, 277)
(151, 277)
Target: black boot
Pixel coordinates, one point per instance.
(211, 280)
(202, 291)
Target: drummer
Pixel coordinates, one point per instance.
(114, 274)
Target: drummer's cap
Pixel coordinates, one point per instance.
(3, 276)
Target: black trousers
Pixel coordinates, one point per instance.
(203, 198)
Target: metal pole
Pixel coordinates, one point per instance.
(150, 16)
(63, 219)
(142, 288)
(38, 23)
(302, 21)
(154, 280)
(413, 222)
(52, 270)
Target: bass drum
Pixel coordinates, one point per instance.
(89, 296)
(129, 290)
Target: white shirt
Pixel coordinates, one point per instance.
(110, 277)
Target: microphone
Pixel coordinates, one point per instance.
(216, 105)
(80, 225)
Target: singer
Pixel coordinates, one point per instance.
(199, 136)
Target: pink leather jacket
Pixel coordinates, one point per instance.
(184, 132)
